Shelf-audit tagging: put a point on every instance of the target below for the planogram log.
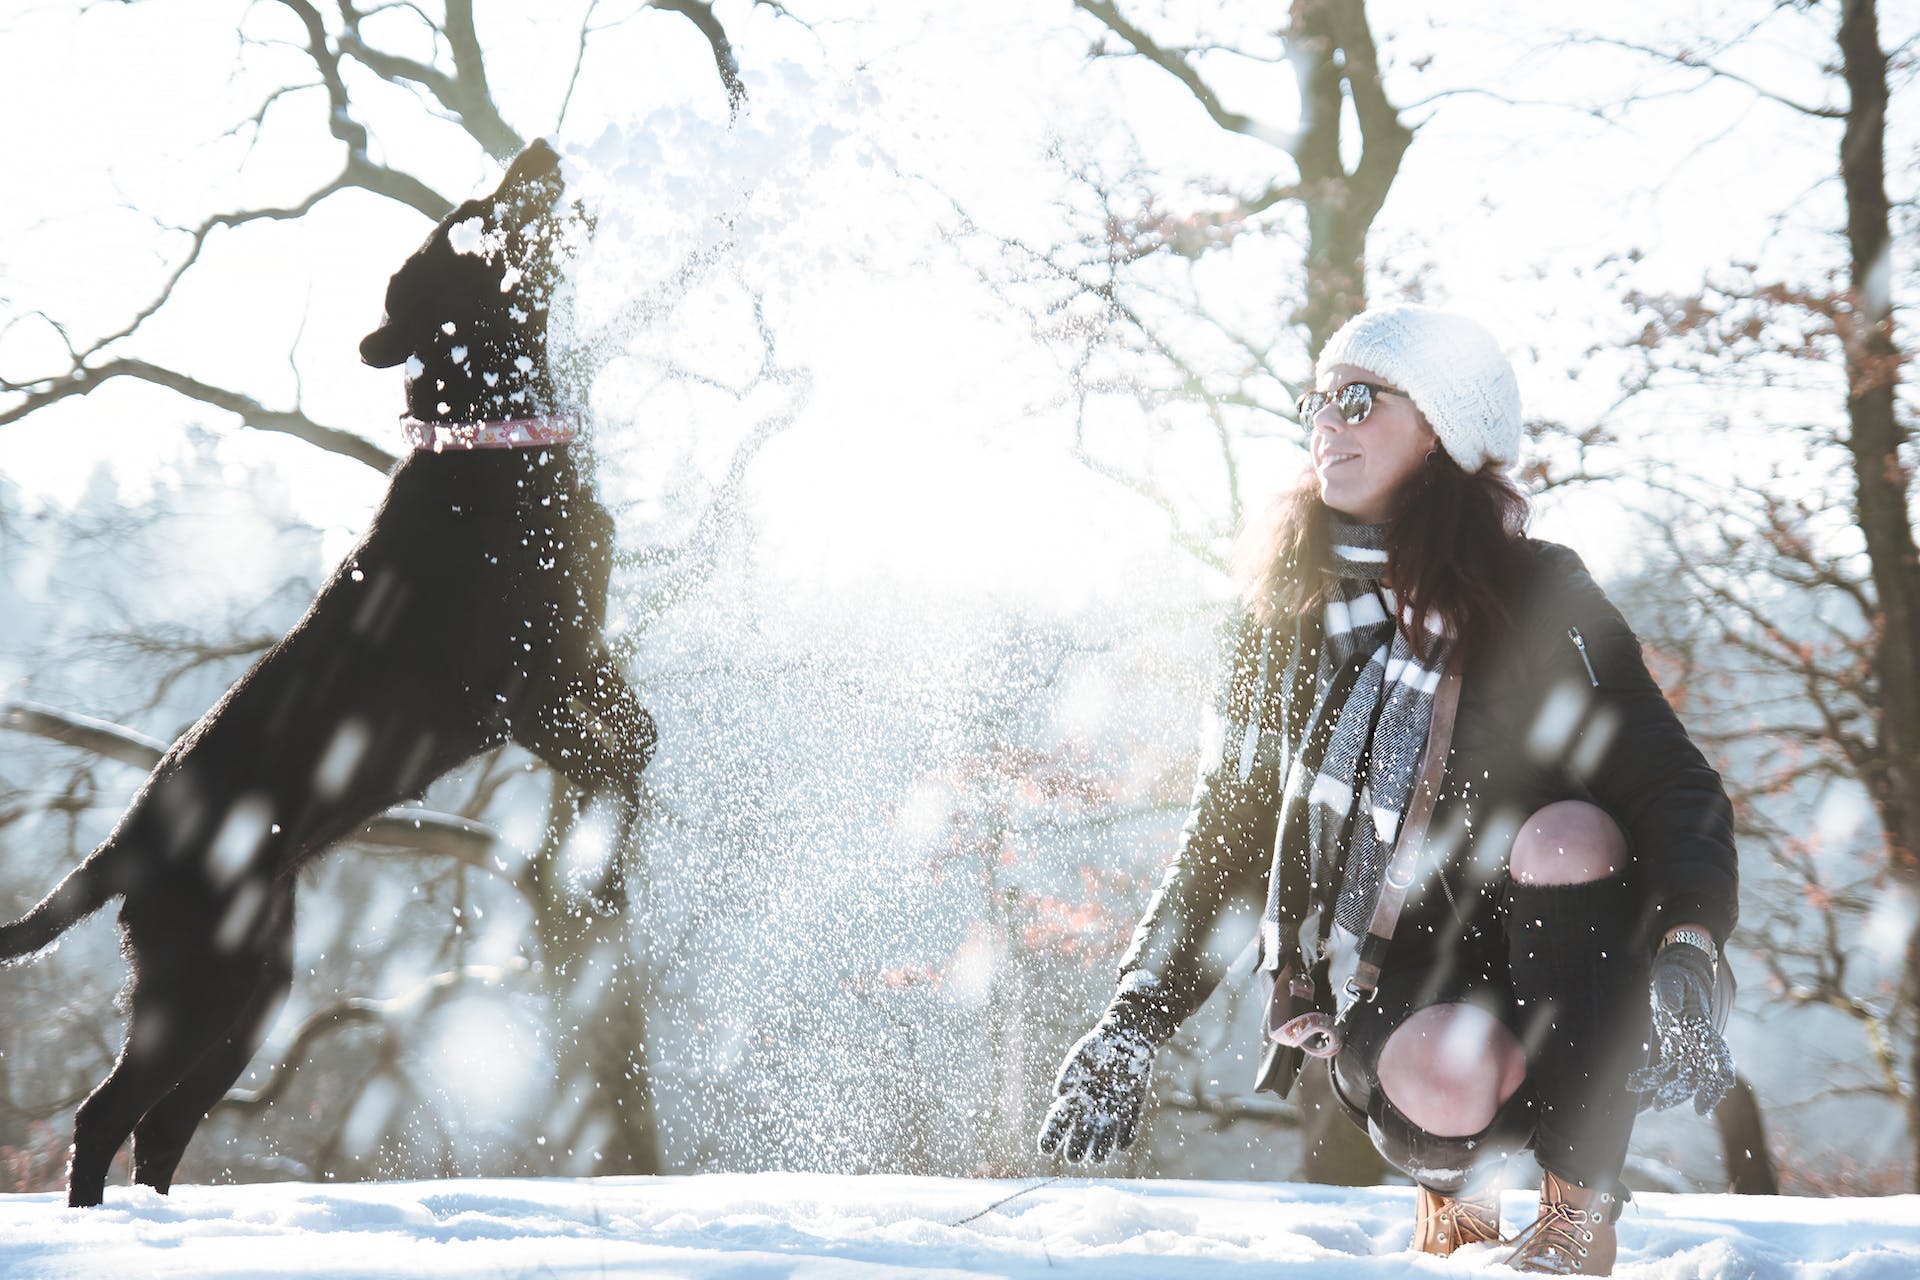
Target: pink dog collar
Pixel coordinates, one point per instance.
(514, 433)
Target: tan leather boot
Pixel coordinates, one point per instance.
(1444, 1223)
(1573, 1236)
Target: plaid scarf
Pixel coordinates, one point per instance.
(1350, 744)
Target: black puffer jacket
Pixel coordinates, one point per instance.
(1561, 708)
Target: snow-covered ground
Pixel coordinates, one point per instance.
(816, 1225)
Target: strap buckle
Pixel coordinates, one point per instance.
(1317, 1035)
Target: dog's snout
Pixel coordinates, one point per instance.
(537, 162)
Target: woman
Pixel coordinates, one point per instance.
(1408, 659)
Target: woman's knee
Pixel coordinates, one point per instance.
(1449, 1067)
(1567, 842)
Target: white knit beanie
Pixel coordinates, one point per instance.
(1452, 368)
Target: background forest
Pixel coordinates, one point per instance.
(935, 353)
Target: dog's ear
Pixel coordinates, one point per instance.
(531, 189)
(385, 347)
(410, 293)
(403, 322)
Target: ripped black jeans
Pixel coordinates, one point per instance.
(1566, 969)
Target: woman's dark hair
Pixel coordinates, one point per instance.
(1452, 547)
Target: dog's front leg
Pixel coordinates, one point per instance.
(597, 735)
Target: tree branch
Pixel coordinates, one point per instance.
(579, 61)
(464, 93)
(361, 168)
(198, 237)
(701, 15)
(403, 829)
(101, 737)
(1227, 1110)
(256, 415)
(693, 560)
(1168, 60)
(1692, 62)
(404, 1010)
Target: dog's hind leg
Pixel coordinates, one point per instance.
(161, 1137)
(177, 1016)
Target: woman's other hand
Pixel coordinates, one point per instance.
(1694, 1061)
(1101, 1089)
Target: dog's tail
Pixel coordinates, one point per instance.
(85, 890)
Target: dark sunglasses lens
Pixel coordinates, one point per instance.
(1355, 402)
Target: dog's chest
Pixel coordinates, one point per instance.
(507, 502)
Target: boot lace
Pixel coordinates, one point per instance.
(1556, 1243)
(1467, 1221)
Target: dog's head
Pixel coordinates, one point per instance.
(467, 313)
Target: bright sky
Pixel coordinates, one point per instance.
(929, 443)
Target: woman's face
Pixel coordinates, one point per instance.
(1361, 467)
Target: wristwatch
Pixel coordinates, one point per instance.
(1693, 936)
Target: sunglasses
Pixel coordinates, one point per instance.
(1355, 402)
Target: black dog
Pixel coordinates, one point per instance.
(469, 615)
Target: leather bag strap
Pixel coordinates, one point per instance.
(1412, 839)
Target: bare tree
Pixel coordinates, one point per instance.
(1801, 649)
(1142, 301)
(1330, 48)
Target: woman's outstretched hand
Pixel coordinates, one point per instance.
(1694, 1060)
(1101, 1089)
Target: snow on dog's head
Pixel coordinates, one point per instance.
(467, 312)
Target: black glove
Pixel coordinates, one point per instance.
(1694, 1060)
(1102, 1087)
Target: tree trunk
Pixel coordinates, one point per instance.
(596, 986)
(1743, 1143)
(1881, 482)
(1910, 992)
(1329, 45)
(1333, 1149)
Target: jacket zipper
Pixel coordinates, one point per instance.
(1580, 643)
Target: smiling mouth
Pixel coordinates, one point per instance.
(1332, 460)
